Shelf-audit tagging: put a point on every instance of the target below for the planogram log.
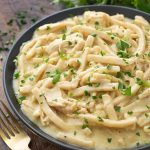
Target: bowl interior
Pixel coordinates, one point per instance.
(10, 66)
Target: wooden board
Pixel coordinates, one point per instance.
(34, 9)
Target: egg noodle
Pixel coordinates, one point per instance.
(86, 80)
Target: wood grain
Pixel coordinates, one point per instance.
(35, 8)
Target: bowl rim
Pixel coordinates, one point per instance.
(4, 78)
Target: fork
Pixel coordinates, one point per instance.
(10, 130)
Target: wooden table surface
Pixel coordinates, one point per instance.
(9, 25)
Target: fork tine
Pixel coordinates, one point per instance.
(4, 128)
(15, 125)
(7, 123)
(3, 135)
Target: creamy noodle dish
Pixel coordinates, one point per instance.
(86, 80)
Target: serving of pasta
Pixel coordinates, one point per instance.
(86, 80)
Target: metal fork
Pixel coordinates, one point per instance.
(10, 130)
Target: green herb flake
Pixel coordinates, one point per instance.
(48, 28)
(16, 75)
(96, 84)
(100, 119)
(46, 60)
(130, 112)
(20, 99)
(55, 75)
(22, 81)
(64, 36)
(56, 78)
(137, 144)
(148, 107)
(31, 78)
(128, 73)
(139, 81)
(94, 97)
(109, 66)
(96, 23)
(117, 108)
(85, 124)
(122, 45)
(138, 133)
(102, 53)
(94, 35)
(75, 133)
(76, 112)
(89, 81)
(148, 127)
(124, 90)
(146, 115)
(63, 55)
(41, 95)
(119, 75)
(109, 140)
(86, 93)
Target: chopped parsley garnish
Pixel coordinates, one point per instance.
(117, 108)
(94, 35)
(102, 53)
(76, 112)
(63, 55)
(137, 144)
(123, 54)
(139, 81)
(148, 127)
(20, 99)
(146, 115)
(100, 119)
(86, 93)
(130, 112)
(72, 70)
(31, 78)
(125, 61)
(109, 140)
(89, 81)
(85, 124)
(46, 60)
(124, 90)
(137, 133)
(41, 95)
(119, 75)
(146, 83)
(69, 43)
(94, 97)
(148, 107)
(122, 46)
(75, 133)
(22, 81)
(64, 36)
(55, 75)
(48, 28)
(96, 23)
(16, 75)
(109, 66)
(128, 73)
(96, 84)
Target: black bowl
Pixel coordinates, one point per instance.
(10, 66)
